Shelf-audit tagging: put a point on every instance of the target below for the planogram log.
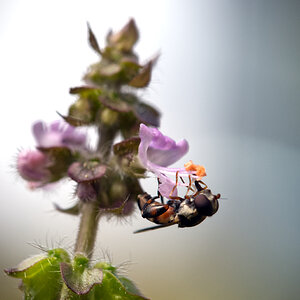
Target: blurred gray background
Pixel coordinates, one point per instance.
(228, 81)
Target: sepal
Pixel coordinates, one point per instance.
(143, 78)
(93, 41)
(132, 110)
(126, 147)
(87, 171)
(73, 210)
(126, 153)
(124, 39)
(60, 158)
(84, 110)
(73, 120)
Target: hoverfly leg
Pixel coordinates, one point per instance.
(159, 195)
(175, 186)
(205, 186)
(189, 188)
(199, 187)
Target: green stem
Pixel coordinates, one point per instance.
(87, 232)
(106, 138)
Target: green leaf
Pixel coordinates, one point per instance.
(115, 287)
(112, 288)
(52, 276)
(41, 278)
(78, 277)
(129, 286)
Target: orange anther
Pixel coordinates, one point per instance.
(190, 166)
(200, 170)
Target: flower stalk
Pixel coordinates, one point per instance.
(88, 226)
(90, 214)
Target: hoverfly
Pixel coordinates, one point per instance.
(186, 212)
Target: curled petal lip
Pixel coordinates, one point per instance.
(171, 153)
(159, 149)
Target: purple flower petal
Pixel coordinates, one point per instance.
(32, 166)
(166, 186)
(161, 150)
(58, 134)
(169, 154)
(157, 151)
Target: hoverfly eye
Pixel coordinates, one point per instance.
(203, 205)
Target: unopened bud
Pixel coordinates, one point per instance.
(118, 190)
(109, 117)
(82, 110)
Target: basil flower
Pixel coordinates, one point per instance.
(157, 151)
(32, 166)
(58, 134)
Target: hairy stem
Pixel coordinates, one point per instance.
(88, 228)
(87, 232)
(106, 138)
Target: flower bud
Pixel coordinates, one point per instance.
(44, 165)
(109, 117)
(118, 190)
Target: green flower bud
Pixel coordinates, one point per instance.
(109, 117)
(118, 190)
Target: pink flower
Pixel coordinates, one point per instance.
(32, 166)
(58, 134)
(157, 152)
